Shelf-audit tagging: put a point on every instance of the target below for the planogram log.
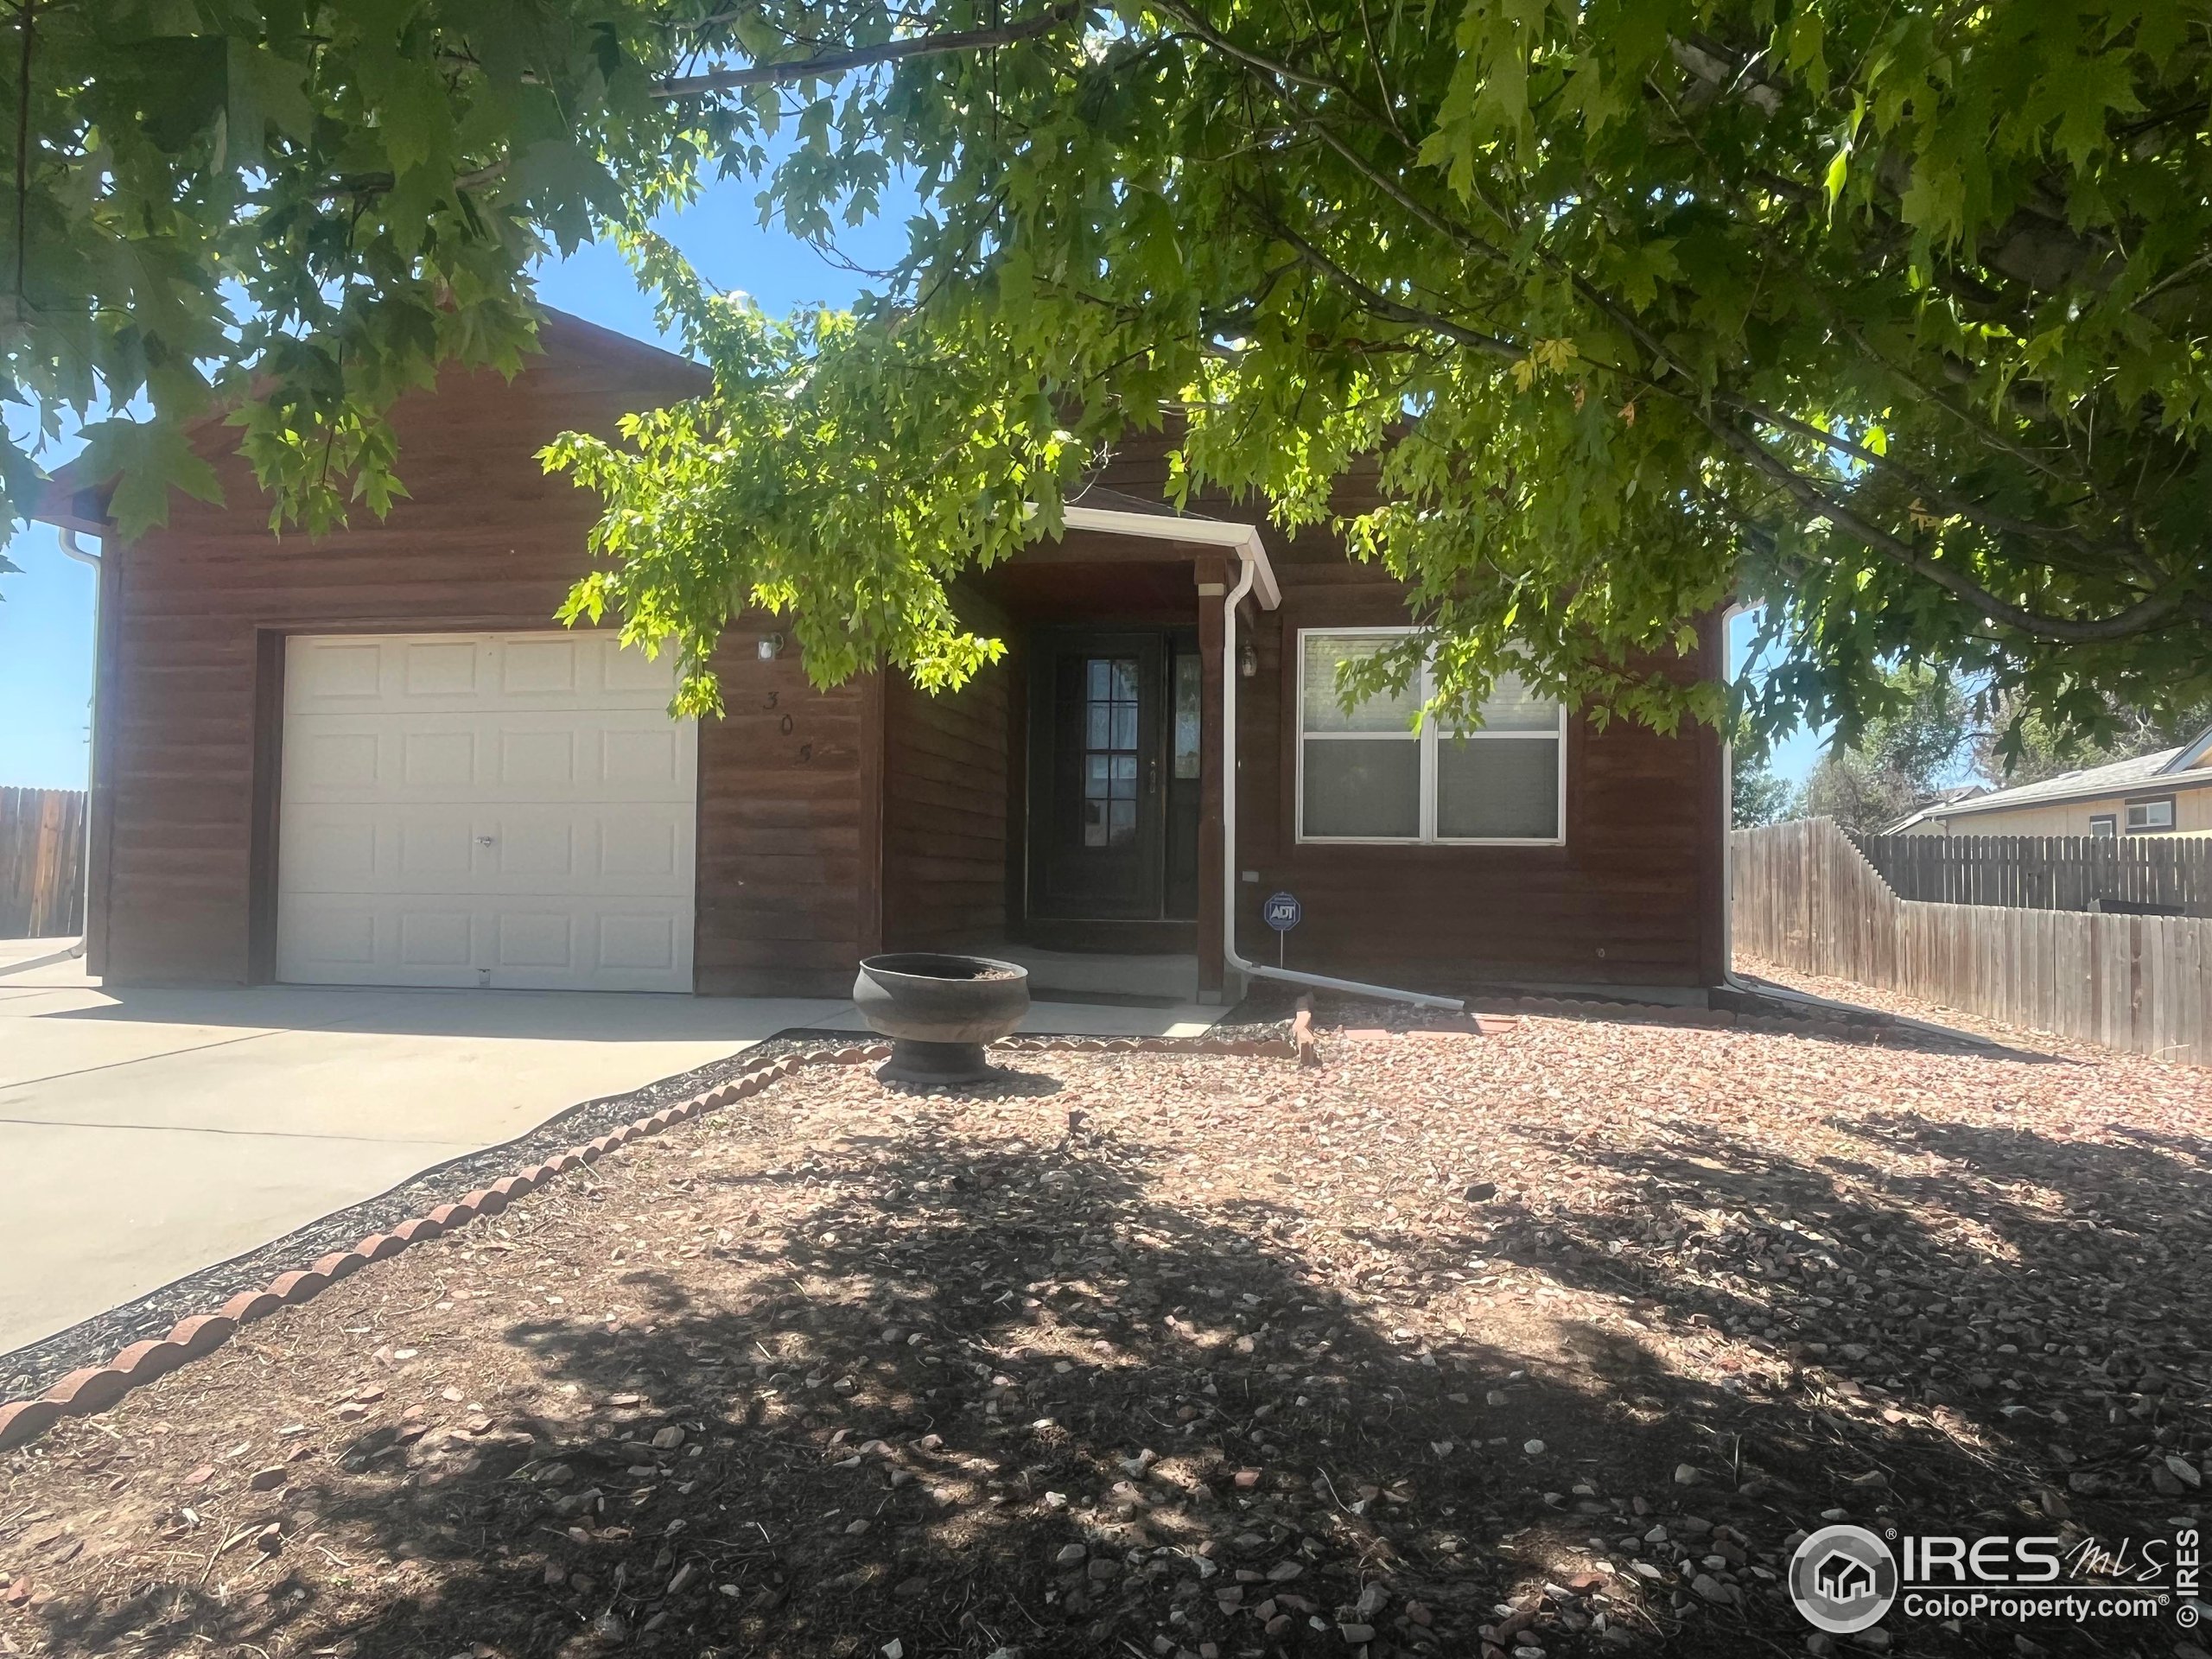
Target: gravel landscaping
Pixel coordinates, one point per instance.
(1546, 1341)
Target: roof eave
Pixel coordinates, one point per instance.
(2189, 754)
(2156, 783)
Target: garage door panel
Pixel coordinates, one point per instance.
(615, 850)
(580, 755)
(535, 939)
(457, 672)
(323, 761)
(439, 668)
(428, 854)
(537, 852)
(541, 762)
(334, 673)
(638, 944)
(643, 758)
(507, 810)
(514, 945)
(539, 668)
(435, 761)
(332, 937)
(646, 849)
(437, 940)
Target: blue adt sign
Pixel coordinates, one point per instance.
(1282, 912)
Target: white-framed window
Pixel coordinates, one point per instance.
(1367, 774)
(2148, 817)
(2103, 826)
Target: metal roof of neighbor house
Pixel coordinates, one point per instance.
(2166, 768)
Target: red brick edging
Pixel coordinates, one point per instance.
(93, 1389)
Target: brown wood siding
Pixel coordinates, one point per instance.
(1633, 897)
(947, 836)
(485, 542)
(876, 813)
(1636, 897)
(780, 829)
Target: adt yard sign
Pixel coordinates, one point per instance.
(1282, 912)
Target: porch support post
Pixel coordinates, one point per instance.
(1212, 571)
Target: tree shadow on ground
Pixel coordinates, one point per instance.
(971, 1396)
(2009, 1329)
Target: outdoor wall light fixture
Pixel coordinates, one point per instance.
(1248, 663)
(770, 646)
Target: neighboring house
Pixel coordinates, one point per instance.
(2163, 794)
(1944, 800)
(371, 759)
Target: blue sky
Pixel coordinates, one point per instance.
(46, 612)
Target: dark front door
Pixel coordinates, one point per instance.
(1095, 819)
(1105, 758)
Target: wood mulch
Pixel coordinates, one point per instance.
(2116, 1061)
(1549, 1342)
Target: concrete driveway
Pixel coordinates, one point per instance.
(144, 1135)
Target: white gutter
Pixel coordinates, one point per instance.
(1258, 576)
(1242, 539)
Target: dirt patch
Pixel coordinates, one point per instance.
(1553, 1340)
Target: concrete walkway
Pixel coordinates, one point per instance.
(147, 1134)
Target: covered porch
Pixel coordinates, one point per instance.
(1065, 810)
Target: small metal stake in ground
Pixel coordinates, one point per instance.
(1282, 912)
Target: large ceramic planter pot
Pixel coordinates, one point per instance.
(939, 1010)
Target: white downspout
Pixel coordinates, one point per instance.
(1729, 613)
(1249, 555)
(75, 549)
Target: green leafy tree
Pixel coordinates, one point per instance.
(1893, 317)
(1760, 795)
(296, 211)
(1918, 738)
(2024, 745)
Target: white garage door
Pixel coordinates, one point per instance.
(510, 810)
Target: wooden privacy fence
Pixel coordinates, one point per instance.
(41, 863)
(2152, 874)
(1805, 897)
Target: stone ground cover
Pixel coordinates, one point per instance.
(1550, 1341)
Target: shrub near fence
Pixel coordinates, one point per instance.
(41, 863)
(2168, 876)
(1805, 897)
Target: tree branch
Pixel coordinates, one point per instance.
(2137, 617)
(1471, 242)
(829, 65)
(1389, 309)
(1809, 496)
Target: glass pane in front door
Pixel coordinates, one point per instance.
(1109, 758)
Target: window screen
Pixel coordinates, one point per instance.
(2150, 814)
(1369, 773)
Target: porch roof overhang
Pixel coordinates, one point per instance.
(1244, 540)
